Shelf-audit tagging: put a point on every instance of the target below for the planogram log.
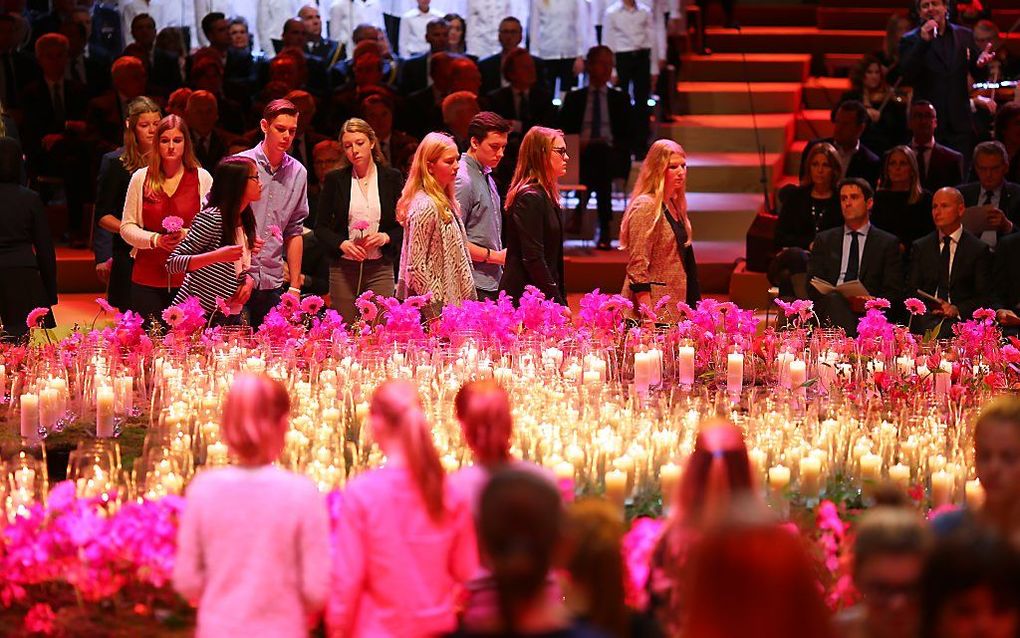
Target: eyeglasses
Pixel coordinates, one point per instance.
(562, 150)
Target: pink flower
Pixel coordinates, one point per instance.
(312, 304)
(369, 311)
(173, 316)
(360, 225)
(223, 307)
(173, 224)
(877, 303)
(104, 305)
(36, 317)
(40, 619)
(275, 231)
(289, 302)
(915, 306)
(984, 314)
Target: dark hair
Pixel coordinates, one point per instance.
(450, 17)
(372, 98)
(520, 525)
(866, 189)
(510, 60)
(438, 22)
(968, 560)
(11, 161)
(915, 103)
(1006, 114)
(142, 16)
(991, 147)
(486, 122)
(230, 181)
(361, 30)
(279, 107)
(511, 19)
(597, 49)
(855, 106)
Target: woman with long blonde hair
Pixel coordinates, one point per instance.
(399, 568)
(534, 222)
(434, 258)
(357, 224)
(902, 206)
(173, 185)
(657, 234)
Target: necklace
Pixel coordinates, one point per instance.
(363, 182)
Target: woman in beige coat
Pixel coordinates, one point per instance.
(656, 232)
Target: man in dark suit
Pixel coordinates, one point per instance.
(850, 119)
(1006, 284)
(323, 48)
(416, 72)
(105, 32)
(602, 116)
(935, 59)
(16, 67)
(950, 264)
(991, 163)
(422, 110)
(106, 113)
(208, 141)
(939, 165)
(87, 65)
(396, 146)
(511, 34)
(855, 251)
(306, 136)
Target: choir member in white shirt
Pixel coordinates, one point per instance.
(484, 18)
(204, 8)
(346, 15)
(273, 14)
(413, 24)
(629, 31)
(560, 35)
(166, 13)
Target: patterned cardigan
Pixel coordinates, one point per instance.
(655, 263)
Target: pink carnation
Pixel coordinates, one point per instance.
(360, 225)
(35, 317)
(915, 306)
(275, 231)
(173, 224)
(104, 305)
(984, 314)
(223, 307)
(877, 303)
(312, 304)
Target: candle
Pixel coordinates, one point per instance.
(810, 473)
(49, 407)
(941, 488)
(29, 415)
(757, 458)
(900, 474)
(24, 478)
(943, 377)
(642, 372)
(779, 478)
(563, 471)
(216, 454)
(905, 365)
(3, 382)
(669, 478)
(123, 388)
(331, 416)
(871, 469)
(974, 493)
(798, 374)
(685, 363)
(783, 360)
(616, 487)
(734, 372)
(655, 359)
(591, 377)
(104, 412)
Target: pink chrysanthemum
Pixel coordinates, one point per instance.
(173, 224)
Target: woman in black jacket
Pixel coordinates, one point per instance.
(28, 262)
(814, 205)
(357, 220)
(534, 228)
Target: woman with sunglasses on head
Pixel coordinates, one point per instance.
(534, 222)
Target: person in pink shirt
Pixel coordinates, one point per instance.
(253, 543)
(405, 540)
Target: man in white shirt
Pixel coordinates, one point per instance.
(485, 22)
(273, 14)
(413, 25)
(628, 30)
(560, 35)
(166, 13)
(346, 15)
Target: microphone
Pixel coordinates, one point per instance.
(935, 32)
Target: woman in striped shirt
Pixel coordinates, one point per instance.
(216, 253)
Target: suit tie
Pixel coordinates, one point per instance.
(988, 199)
(58, 105)
(853, 260)
(922, 165)
(942, 292)
(523, 113)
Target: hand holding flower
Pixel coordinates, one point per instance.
(257, 246)
(373, 240)
(353, 250)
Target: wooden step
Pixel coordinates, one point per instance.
(729, 133)
(754, 15)
(862, 18)
(717, 98)
(812, 124)
(722, 216)
(756, 67)
(792, 40)
(791, 165)
(730, 172)
(824, 93)
(76, 271)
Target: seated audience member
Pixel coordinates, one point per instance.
(415, 73)
(169, 56)
(902, 207)
(345, 18)
(414, 24)
(177, 103)
(306, 137)
(1007, 131)
(458, 35)
(855, 160)
(295, 38)
(813, 206)
(242, 65)
(1002, 66)
(105, 32)
(601, 115)
(326, 155)
(207, 75)
(28, 262)
(397, 146)
(465, 75)
(890, 546)
(424, 108)
(143, 36)
(969, 588)
(951, 265)
(89, 67)
(991, 163)
(106, 113)
(216, 29)
(939, 165)
(1006, 284)
(18, 66)
(316, 44)
(209, 141)
(511, 34)
(856, 251)
(459, 108)
(368, 79)
(887, 112)
(889, 55)
(342, 71)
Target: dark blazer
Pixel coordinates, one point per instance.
(491, 68)
(938, 72)
(421, 113)
(909, 222)
(25, 72)
(414, 74)
(40, 120)
(111, 191)
(864, 163)
(1006, 273)
(970, 279)
(106, 29)
(325, 49)
(25, 237)
(571, 116)
(331, 227)
(106, 120)
(217, 149)
(881, 268)
(541, 111)
(796, 227)
(945, 168)
(534, 246)
(1009, 201)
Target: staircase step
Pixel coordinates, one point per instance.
(730, 172)
(76, 271)
(749, 15)
(812, 124)
(791, 164)
(824, 93)
(719, 98)
(722, 216)
(792, 40)
(758, 67)
(729, 133)
(863, 18)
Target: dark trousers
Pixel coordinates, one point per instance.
(118, 293)
(486, 294)
(633, 70)
(21, 291)
(597, 159)
(151, 301)
(834, 309)
(260, 303)
(562, 69)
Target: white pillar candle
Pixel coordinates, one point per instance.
(941, 488)
(783, 360)
(49, 407)
(216, 454)
(871, 467)
(734, 372)
(757, 458)
(779, 478)
(669, 478)
(24, 479)
(124, 391)
(810, 476)
(905, 365)
(29, 415)
(642, 372)
(974, 493)
(900, 474)
(104, 412)
(685, 364)
(655, 356)
(797, 374)
(943, 377)
(616, 487)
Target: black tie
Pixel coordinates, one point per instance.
(596, 114)
(58, 105)
(922, 165)
(522, 108)
(853, 260)
(988, 199)
(942, 292)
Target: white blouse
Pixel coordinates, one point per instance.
(365, 207)
(131, 227)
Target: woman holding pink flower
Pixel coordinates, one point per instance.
(357, 221)
(162, 199)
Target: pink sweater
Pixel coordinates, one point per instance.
(397, 572)
(253, 549)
